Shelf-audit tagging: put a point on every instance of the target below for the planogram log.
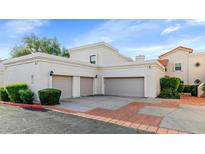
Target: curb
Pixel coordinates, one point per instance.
(23, 105)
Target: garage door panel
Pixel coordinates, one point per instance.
(86, 86)
(133, 87)
(64, 83)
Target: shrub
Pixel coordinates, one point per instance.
(187, 89)
(194, 90)
(181, 87)
(49, 96)
(13, 91)
(3, 95)
(190, 89)
(26, 96)
(170, 86)
(203, 87)
(169, 93)
(170, 82)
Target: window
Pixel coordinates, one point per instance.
(178, 67)
(93, 59)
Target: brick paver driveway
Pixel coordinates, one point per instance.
(186, 115)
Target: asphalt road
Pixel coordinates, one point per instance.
(16, 120)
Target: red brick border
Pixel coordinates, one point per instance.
(23, 105)
(138, 126)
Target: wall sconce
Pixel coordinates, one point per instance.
(51, 73)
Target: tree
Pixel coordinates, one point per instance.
(31, 44)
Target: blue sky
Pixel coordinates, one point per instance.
(132, 37)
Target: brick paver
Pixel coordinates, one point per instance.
(128, 115)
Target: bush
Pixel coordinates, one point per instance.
(187, 89)
(181, 87)
(27, 96)
(170, 82)
(190, 89)
(203, 87)
(49, 96)
(13, 91)
(170, 87)
(3, 95)
(194, 90)
(169, 93)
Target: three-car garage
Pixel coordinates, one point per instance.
(115, 86)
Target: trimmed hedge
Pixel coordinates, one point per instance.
(13, 91)
(190, 89)
(169, 93)
(27, 96)
(170, 87)
(181, 87)
(170, 82)
(3, 95)
(49, 96)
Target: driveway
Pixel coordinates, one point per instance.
(84, 104)
(42, 121)
(157, 115)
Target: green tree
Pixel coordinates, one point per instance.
(31, 44)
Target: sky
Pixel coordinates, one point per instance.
(131, 37)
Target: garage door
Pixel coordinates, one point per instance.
(64, 83)
(86, 86)
(133, 87)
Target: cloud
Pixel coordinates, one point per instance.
(114, 30)
(14, 28)
(171, 29)
(196, 22)
(150, 51)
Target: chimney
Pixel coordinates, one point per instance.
(140, 58)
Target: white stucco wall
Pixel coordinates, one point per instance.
(22, 73)
(105, 55)
(151, 72)
(68, 70)
(1, 74)
(178, 57)
(1, 78)
(40, 65)
(189, 71)
(196, 72)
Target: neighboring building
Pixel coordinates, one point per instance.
(96, 69)
(183, 63)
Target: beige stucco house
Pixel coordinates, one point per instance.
(96, 69)
(183, 63)
(100, 69)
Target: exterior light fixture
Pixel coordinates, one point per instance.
(51, 73)
(96, 76)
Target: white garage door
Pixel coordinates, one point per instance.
(64, 83)
(86, 86)
(133, 87)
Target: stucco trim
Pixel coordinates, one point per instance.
(186, 49)
(99, 44)
(41, 57)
